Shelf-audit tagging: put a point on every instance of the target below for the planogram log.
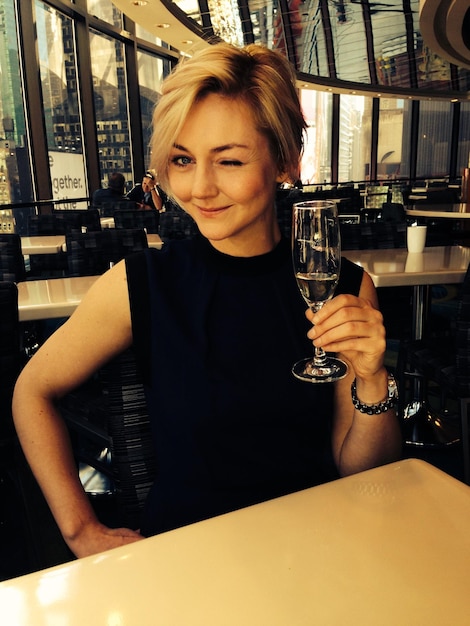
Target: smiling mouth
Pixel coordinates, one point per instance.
(213, 211)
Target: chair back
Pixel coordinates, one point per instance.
(177, 224)
(64, 221)
(373, 235)
(108, 209)
(12, 267)
(10, 356)
(133, 218)
(93, 253)
(78, 219)
(110, 411)
(133, 460)
(393, 212)
(463, 337)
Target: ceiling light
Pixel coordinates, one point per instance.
(162, 25)
(139, 3)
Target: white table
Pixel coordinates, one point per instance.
(386, 547)
(107, 222)
(395, 267)
(42, 244)
(449, 211)
(51, 298)
(51, 244)
(58, 297)
(154, 241)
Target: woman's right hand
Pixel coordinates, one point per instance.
(97, 537)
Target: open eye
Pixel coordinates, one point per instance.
(181, 160)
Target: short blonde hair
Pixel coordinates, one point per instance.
(262, 78)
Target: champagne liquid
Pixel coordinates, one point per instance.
(316, 287)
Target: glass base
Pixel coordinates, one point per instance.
(332, 370)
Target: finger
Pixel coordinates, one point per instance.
(340, 303)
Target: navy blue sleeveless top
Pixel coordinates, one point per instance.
(216, 337)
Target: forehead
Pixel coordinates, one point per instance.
(216, 115)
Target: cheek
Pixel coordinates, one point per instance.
(180, 185)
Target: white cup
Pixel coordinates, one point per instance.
(416, 238)
(414, 262)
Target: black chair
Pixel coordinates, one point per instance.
(442, 365)
(78, 219)
(440, 196)
(12, 266)
(29, 538)
(59, 222)
(177, 224)
(108, 209)
(373, 235)
(134, 218)
(393, 212)
(14, 557)
(111, 431)
(10, 355)
(62, 222)
(93, 253)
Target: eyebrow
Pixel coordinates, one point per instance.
(216, 150)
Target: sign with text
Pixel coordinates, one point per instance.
(68, 177)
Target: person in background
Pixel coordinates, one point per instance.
(147, 194)
(216, 322)
(113, 192)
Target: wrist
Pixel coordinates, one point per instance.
(377, 398)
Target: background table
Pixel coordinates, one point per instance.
(42, 244)
(451, 211)
(398, 268)
(386, 547)
(51, 298)
(50, 244)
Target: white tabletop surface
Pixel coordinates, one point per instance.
(388, 547)
(154, 241)
(455, 211)
(397, 267)
(50, 244)
(42, 244)
(51, 298)
(57, 297)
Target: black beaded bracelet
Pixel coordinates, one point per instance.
(380, 407)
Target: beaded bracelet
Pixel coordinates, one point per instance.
(380, 407)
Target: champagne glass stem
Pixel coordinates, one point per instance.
(319, 357)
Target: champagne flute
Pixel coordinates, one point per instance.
(316, 255)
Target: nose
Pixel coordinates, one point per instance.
(204, 182)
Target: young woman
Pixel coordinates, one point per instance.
(217, 322)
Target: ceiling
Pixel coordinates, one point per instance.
(394, 47)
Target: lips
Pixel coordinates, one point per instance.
(211, 211)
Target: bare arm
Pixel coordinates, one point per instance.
(353, 326)
(99, 329)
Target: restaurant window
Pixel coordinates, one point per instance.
(316, 161)
(106, 11)
(15, 178)
(62, 117)
(111, 110)
(392, 114)
(150, 74)
(144, 34)
(434, 132)
(463, 157)
(355, 115)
